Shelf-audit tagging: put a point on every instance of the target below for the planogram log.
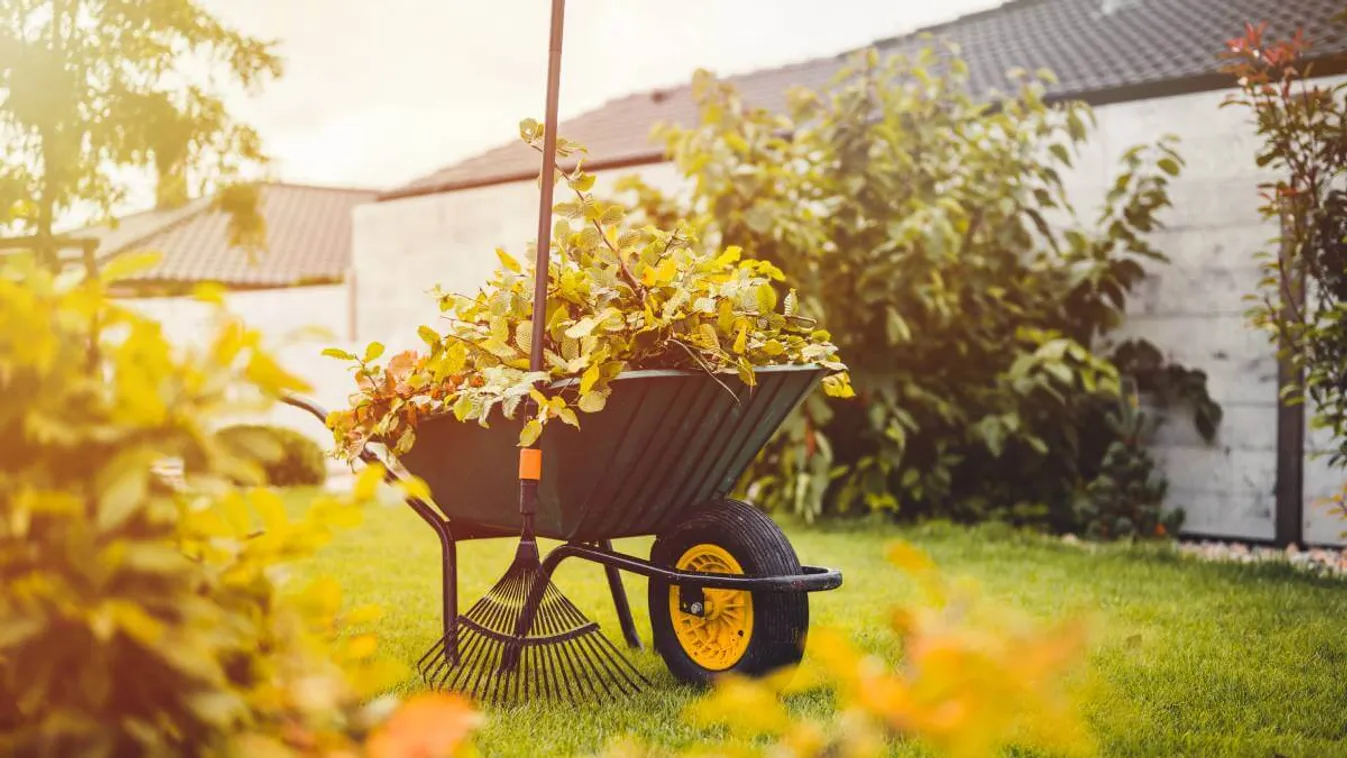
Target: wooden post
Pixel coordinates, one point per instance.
(1290, 516)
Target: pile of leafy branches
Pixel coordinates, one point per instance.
(931, 229)
(619, 299)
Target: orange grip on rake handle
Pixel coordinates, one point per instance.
(530, 464)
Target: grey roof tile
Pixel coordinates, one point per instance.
(308, 239)
(1138, 44)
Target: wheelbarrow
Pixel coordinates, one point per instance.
(727, 592)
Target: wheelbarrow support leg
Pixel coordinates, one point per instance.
(620, 601)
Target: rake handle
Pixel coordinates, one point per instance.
(528, 486)
(548, 182)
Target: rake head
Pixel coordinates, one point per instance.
(525, 640)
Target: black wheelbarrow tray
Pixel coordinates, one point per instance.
(726, 590)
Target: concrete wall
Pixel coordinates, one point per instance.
(1192, 308)
(297, 324)
(404, 249)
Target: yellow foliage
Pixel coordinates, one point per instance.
(194, 643)
(427, 726)
(974, 680)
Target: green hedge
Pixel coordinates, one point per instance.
(295, 460)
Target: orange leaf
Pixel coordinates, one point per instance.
(431, 725)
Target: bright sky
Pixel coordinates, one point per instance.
(378, 92)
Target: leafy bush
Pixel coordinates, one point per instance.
(1301, 302)
(138, 625)
(619, 299)
(287, 458)
(1126, 498)
(932, 232)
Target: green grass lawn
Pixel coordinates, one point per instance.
(1191, 659)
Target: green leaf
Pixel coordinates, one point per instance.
(333, 352)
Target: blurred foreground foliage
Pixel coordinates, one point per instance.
(136, 624)
(975, 679)
(931, 230)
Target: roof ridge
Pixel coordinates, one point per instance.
(1003, 7)
(179, 216)
(322, 187)
(657, 94)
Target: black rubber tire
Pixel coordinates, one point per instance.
(780, 619)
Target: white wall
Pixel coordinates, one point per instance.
(297, 323)
(1192, 308)
(404, 248)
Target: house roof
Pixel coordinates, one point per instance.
(308, 239)
(1102, 51)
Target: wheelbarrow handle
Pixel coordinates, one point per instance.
(306, 405)
(320, 413)
(811, 578)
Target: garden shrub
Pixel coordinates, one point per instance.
(1126, 498)
(140, 625)
(932, 232)
(286, 457)
(1301, 301)
(619, 298)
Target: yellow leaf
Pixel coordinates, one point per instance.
(266, 373)
(136, 623)
(270, 508)
(367, 482)
(592, 402)
(362, 646)
(323, 595)
(741, 341)
(708, 333)
(122, 486)
(364, 614)
(731, 255)
(747, 707)
(415, 487)
(909, 558)
(530, 433)
(235, 513)
(591, 375)
(209, 292)
(125, 265)
(507, 261)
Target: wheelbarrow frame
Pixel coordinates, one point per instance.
(690, 583)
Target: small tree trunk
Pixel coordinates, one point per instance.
(1289, 521)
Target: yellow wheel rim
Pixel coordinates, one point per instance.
(717, 639)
